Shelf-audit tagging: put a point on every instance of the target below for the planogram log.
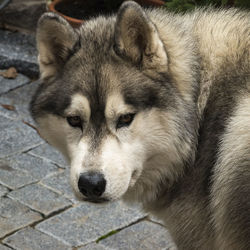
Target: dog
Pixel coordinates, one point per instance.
(154, 107)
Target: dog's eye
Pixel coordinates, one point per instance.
(125, 120)
(74, 121)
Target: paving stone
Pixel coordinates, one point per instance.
(3, 190)
(18, 50)
(16, 137)
(94, 246)
(4, 123)
(20, 99)
(143, 235)
(2, 247)
(14, 215)
(40, 199)
(13, 178)
(86, 222)
(45, 150)
(37, 167)
(60, 183)
(9, 84)
(30, 239)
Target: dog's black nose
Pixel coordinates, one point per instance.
(92, 184)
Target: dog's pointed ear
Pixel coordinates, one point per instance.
(137, 38)
(55, 42)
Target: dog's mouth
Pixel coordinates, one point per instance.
(96, 200)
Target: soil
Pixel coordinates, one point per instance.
(85, 9)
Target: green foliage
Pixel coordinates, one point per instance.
(180, 5)
(187, 5)
(242, 3)
(107, 235)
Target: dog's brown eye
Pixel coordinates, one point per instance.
(125, 120)
(74, 121)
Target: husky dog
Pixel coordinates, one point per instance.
(154, 107)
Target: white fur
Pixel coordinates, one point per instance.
(79, 106)
(128, 157)
(234, 148)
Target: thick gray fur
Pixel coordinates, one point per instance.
(201, 76)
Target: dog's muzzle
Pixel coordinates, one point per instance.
(92, 185)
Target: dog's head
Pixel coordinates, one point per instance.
(111, 103)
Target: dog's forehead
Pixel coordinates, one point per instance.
(112, 84)
(96, 39)
(99, 71)
(97, 84)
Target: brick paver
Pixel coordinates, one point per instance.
(19, 99)
(30, 239)
(40, 199)
(143, 235)
(14, 216)
(37, 167)
(94, 246)
(60, 183)
(48, 152)
(16, 137)
(18, 50)
(87, 222)
(3, 190)
(9, 84)
(2, 247)
(13, 178)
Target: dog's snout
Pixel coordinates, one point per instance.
(92, 184)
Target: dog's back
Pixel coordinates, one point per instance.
(211, 203)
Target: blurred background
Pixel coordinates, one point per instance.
(23, 15)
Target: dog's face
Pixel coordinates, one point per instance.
(108, 104)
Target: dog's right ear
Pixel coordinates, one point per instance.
(56, 40)
(137, 38)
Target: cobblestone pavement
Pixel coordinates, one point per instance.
(37, 207)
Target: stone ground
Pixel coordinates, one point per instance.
(37, 207)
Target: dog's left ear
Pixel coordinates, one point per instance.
(56, 41)
(137, 38)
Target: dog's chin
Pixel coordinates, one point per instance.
(99, 200)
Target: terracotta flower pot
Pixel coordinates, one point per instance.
(77, 22)
(156, 3)
(73, 21)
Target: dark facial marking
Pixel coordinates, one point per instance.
(46, 101)
(144, 97)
